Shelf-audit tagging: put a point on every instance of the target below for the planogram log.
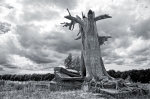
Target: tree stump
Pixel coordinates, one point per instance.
(91, 59)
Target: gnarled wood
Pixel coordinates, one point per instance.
(102, 17)
(102, 39)
(77, 19)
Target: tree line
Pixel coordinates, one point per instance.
(27, 77)
(142, 76)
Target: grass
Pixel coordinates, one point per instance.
(30, 90)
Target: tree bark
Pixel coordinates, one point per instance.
(91, 53)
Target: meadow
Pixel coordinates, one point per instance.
(42, 90)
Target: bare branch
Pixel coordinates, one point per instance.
(73, 21)
(102, 17)
(72, 25)
(78, 38)
(102, 39)
(77, 19)
(82, 15)
(68, 12)
(79, 32)
(65, 24)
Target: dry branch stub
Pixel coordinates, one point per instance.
(65, 79)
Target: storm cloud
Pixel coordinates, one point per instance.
(1, 69)
(63, 4)
(36, 41)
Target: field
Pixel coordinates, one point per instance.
(41, 90)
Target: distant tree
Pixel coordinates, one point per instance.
(76, 64)
(33, 76)
(12, 77)
(118, 74)
(68, 61)
(73, 63)
(124, 75)
(48, 77)
(26, 77)
(112, 73)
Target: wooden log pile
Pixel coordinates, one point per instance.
(62, 75)
(69, 72)
(66, 79)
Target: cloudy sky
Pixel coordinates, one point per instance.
(32, 40)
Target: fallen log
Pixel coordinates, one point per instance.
(70, 73)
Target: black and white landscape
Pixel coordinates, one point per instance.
(35, 46)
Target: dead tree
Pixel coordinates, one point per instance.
(91, 60)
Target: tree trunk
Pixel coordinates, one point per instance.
(91, 52)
